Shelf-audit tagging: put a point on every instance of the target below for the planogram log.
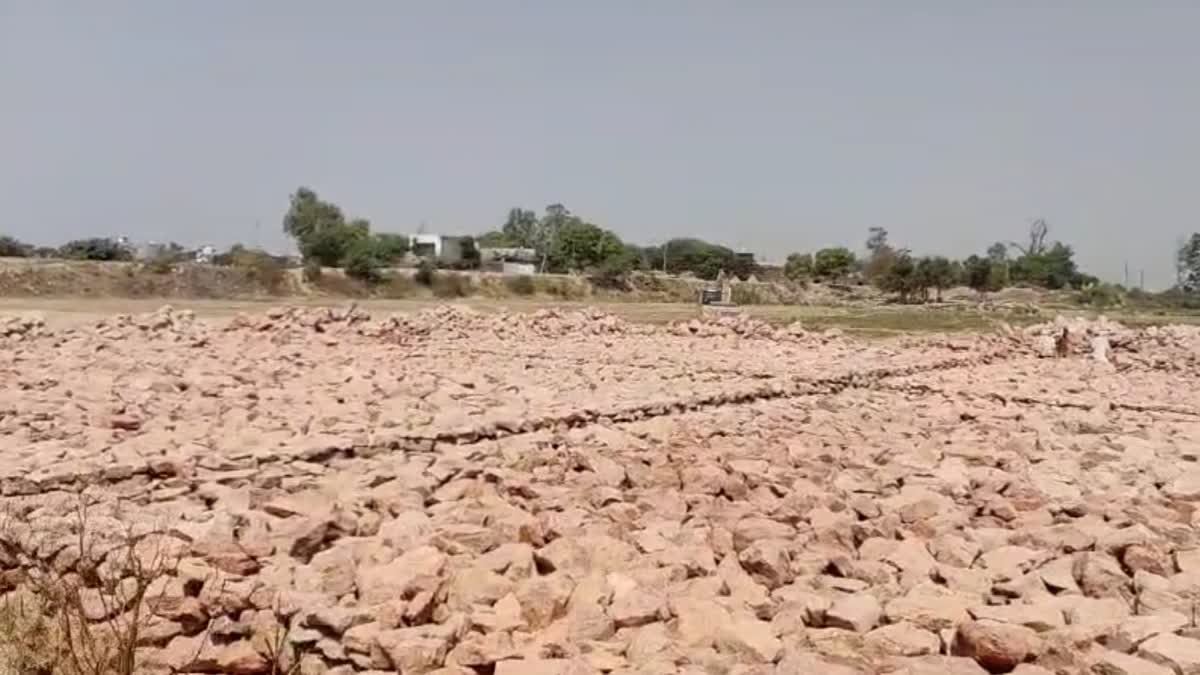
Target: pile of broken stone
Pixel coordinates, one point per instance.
(862, 530)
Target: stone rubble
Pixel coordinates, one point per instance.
(456, 492)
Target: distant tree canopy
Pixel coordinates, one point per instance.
(833, 264)
(495, 239)
(937, 272)
(567, 243)
(392, 247)
(320, 229)
(798, 266)
(11, 247)
(1051, 268)
(98, 249)
(579, 246)
(324, 237)
(1187, 263)
(706, 260)
(880, 254)
(985, 273)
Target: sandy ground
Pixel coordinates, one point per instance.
(569, 492)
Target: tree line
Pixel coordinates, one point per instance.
(895, 270)
(564, 242)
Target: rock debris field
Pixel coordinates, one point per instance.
(322, 491)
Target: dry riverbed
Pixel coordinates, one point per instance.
(566, 492)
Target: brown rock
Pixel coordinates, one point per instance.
(749, 639)
(1135, 630)
(998, 647)
(543, 599)
(413, 650)
(417, 570)
(1109, 662)
(797, 662)
(934, 665)
(1041, 617)
(1178, 653)
(1147, 558)
(859, 613)
(477, 650)
(902, 639)
(697, 620)
(1101, 576)
(931, 608)
(767, 561)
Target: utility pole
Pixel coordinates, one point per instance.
(1126, 274)
(665, 257)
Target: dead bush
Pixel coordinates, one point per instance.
(29, 637)
(451, 285)
(82, 611)
(520, 285)
(560, 287)
(397, 286)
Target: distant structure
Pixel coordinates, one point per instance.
(149, 250)
(509, 260)
(442, 248)
(205, 254)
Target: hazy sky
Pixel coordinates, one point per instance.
(770, 126)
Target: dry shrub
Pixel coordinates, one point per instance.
(313, 271)
(162, 263)
(261, 268)
(520, 285)
(28, 636)
(745, 294)
(562, 288)
(340, 284)
(451, 285)
(85, 616)
(397, 286)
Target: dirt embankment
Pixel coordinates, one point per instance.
(566, 492)
(21, 277)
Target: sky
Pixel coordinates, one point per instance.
(771, 127)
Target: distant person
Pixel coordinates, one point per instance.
(1062, 345)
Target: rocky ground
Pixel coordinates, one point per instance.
(567, 493)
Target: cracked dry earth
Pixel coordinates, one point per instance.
(456, 493)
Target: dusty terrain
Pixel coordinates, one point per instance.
(568, 493)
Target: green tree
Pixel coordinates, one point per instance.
(705, 260)
(877, 239)
(1051, 268)
(935, 272)
(997, 252)
(580, 246)
(329, 245)
(391, 247)
(471, 259)
(10, 247)
(320, 228)
(1038, 231)
(307, 214)
(798, 266)
(522, 229)
(101, 249)
(978, 273)
(902, 278)
(1188, 264)
(833, 263)
(363, 258)
(880, 254)
(495, 239)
